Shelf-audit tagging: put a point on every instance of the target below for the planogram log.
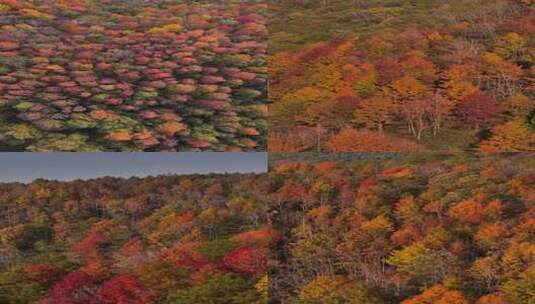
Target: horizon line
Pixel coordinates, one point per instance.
(132, 176)
(28, 167)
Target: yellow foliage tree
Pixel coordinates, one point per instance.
(513, 136)
(407, 88)
(376, 112)
(36, 14)
(510, 45)
(519, 105)
(169, 28)
(321, 288)
(438, 294)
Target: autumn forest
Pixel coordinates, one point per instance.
(167, 239)
(419, 229)
(135, 75)
(375, 151)
(354, 228)
(407, 76)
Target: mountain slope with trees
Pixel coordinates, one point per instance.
(402, 76)
(166, 239)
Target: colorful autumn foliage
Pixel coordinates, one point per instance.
(138, 240)
(394, 228)
(438, 295)
(124, 289)
(351, 140)
(247, 260)
(132, 76)
(418, 73)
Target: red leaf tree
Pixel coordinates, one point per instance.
(477, 108)
(124, 289)
(247, 259)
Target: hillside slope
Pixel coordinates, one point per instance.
(386, 76)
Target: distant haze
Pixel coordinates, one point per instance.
(26, 167)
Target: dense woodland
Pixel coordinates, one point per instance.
(424, 229)
(135, 75)
(402, 75)
(167, 239)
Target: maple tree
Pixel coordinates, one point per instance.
(477, 108)
(492, 299)
(124, 289)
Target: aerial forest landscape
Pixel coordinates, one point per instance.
(419, 229)
(401, 75)
(134, 75)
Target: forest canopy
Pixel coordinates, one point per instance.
(137, 75)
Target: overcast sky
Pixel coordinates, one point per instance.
(26, 167)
